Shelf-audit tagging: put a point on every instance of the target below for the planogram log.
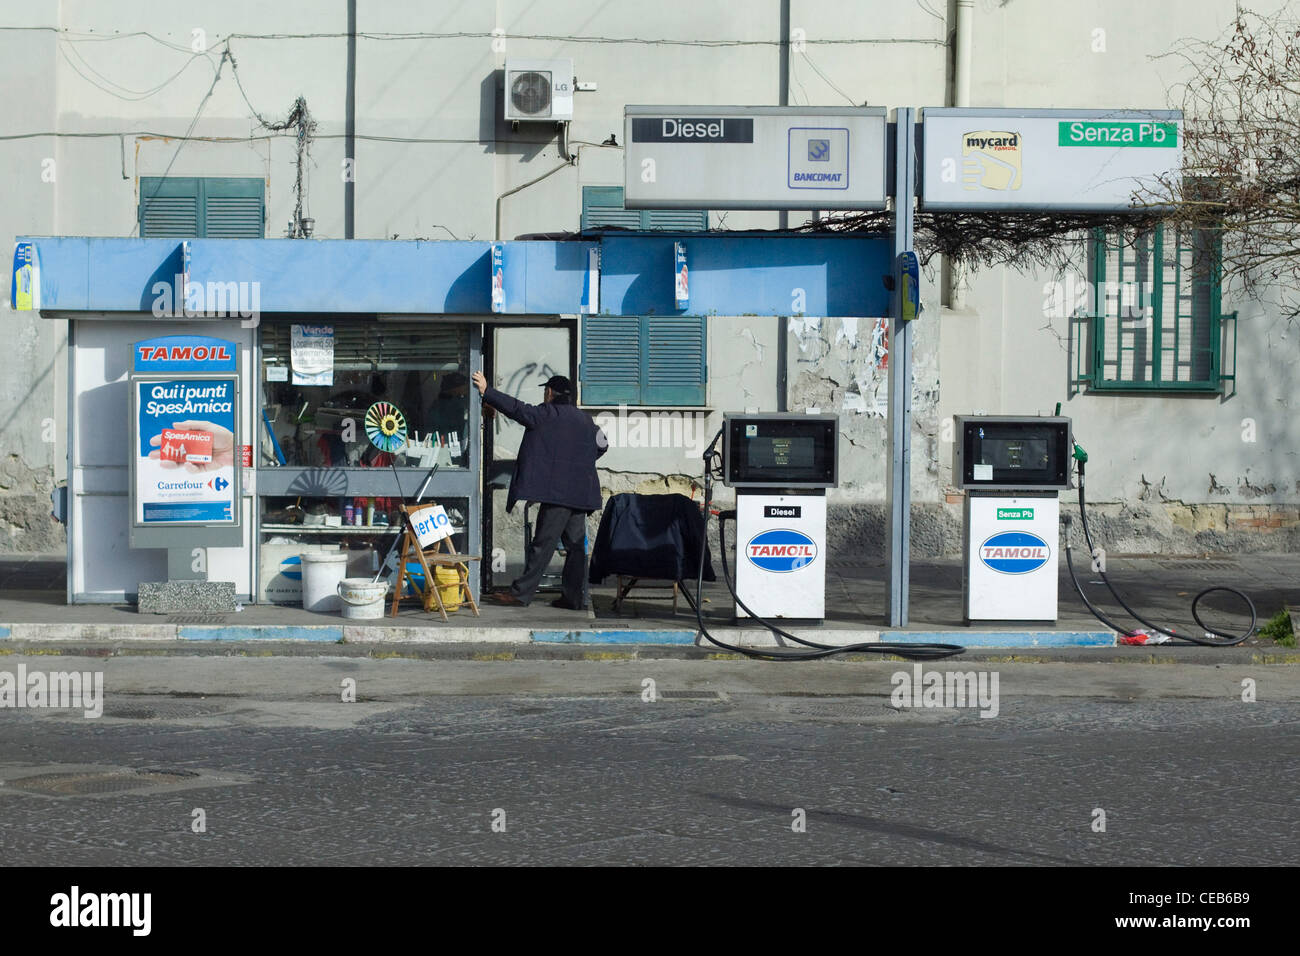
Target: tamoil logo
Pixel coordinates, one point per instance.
(781, 550)
(1015, 552)
(291, 567)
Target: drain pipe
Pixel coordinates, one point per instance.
(960, 97)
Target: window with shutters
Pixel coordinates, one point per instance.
(647, 359)
(187, 207)
(1155, 319)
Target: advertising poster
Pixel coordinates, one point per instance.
(25, 281)
(498, 277)
(311, 353)
(185, 451)
(681, 277)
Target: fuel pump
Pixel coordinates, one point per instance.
(1011, 469)
(781, 466)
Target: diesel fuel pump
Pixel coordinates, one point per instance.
(781, 465)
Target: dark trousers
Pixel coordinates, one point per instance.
(555, 523)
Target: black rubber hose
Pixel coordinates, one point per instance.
(1229, 640)
(1069, 563)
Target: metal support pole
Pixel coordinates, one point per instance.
(783, 223)
(900, 374)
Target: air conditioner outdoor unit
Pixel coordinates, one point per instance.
(539, 90)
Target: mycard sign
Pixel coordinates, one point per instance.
(754, 157)
(1087, 160)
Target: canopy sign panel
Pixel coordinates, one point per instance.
(1089, 160)
(754, 157)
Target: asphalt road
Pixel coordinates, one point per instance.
(563, 762)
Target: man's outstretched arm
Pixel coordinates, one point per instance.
(523, 413)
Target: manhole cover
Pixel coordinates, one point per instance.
(197, 619)
(690, 694)
(1199, 566)
(90, 784)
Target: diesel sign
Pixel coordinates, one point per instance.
(694, 129)
(782, 511)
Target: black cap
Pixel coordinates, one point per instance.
(559, 384)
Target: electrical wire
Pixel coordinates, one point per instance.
(185, 139)
(829, 82)
(1212, 639)
(917, 652)
(484, 35)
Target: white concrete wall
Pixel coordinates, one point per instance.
(433, 158)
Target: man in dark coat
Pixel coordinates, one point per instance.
(556, 468)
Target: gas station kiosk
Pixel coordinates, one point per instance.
(781, 465)
(1011, 469)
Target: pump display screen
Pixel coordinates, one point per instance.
(1007, 453)
(1014, 453)
(768, 453)
(780, 451)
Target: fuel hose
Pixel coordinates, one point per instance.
(1214, 637)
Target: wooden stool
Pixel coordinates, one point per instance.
(428, 559)
(626, 583)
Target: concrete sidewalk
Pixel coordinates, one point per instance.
(33, 610)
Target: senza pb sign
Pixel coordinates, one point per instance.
(1086, 160)
(781, 550)
(1014, 552)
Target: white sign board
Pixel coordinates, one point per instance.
(754, 157)
(1089, 160)
(431, 524)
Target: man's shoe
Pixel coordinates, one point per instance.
(562, 603)
(505, 598)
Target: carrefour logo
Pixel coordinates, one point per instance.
(1015, 552)
(781, 550)
(218, 484)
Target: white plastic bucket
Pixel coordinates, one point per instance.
(321, 573)
(362, 597)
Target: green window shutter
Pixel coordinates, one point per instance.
(603, 206)
(187, 207)
(233, 208)
(1157, 323)
(170, 207)
(646, 360)
(675, 220)
(675, 360)
(611, 360)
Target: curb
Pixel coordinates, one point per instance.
(379, 634)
